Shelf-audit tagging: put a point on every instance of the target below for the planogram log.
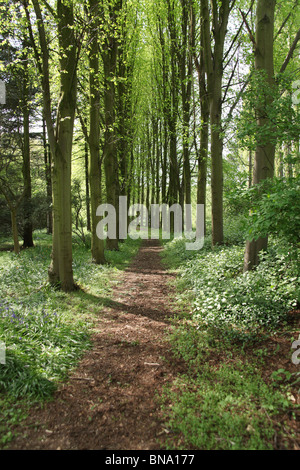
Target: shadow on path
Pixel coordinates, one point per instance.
(111, 400)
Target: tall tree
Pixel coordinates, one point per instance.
(265, 151)
(186, 70)
(60, 135)
(173, 108)
(264, 160)
(202, 152)
(110, 14)
(94, 133)
(27, 204)
(215, 29)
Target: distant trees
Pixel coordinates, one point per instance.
(15, 174)
(110, 25)
(156, 94)
(93, 138)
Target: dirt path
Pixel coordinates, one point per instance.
(110, 401)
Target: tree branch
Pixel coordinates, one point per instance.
(248, 28)
(32, 40)
(285, 21)
(230, 80)
(49, 8)
(238, 33)
(291, 52)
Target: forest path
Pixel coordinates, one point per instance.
(110, 400)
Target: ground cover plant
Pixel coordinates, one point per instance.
(108, 108)
(44, 330)
(235, 331)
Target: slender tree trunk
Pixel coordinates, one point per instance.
(216, 162)
(123, 131)
(13, 207)
(204, 107)
(47, 160)
(297, 166)
(250, 169)
(174, 184)
(214, 69)
(109, 56)
(110, 162)
(158, 159)
(148, 164)
(203, 156)
(28, 228)
(94, 134)
(164, 165)
(186, 70)
(87, 186)
(165, 112)
(14, 226)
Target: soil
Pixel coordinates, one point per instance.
(111, 401)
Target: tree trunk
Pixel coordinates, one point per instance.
(87, 186)
(265, 152)
(47, 160)
(216, 162)
(60, 137)
(109, 155)
(60, 270)
(109, 57)
(14, 227)
(203, 156)
(204, 131)
(27, 230)
(186, 70)
(94, 134)
(174, 185)
(214, 69)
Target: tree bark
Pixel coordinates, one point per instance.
(109, 57)
(204, 131)
(87, 186)
(14, 226)
(174, 181)
(98, 256)
(60, 136)
(28, 228)
(265, 151)
(186, 70)
(214, 70)
(47, 160)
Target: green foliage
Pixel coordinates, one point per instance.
(11, 414)
(175, 252)
(276, 210)
(223, 401)
(235, 229)
(234, 304)
(272, 103)
(224, 408)
(40, 348)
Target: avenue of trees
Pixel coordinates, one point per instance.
(162, 101)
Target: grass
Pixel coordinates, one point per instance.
(234, 395)
(46, 331)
